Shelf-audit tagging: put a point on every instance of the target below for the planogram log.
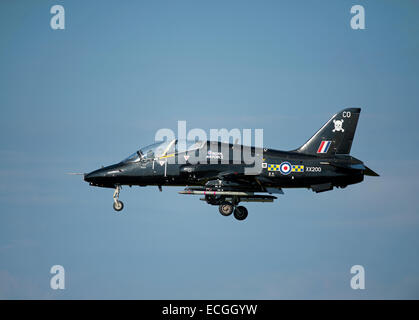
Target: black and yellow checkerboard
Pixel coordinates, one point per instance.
(273, 167)
(295, 168)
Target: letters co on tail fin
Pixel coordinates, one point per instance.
(336, 135)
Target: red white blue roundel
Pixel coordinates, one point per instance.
(285, 167)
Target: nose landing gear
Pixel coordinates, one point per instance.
(117, 205)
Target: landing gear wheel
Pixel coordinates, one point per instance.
(240, 213)
(226, 209)
(118, 205)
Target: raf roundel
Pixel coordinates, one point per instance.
(285, 168)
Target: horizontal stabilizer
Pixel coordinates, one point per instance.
(369, 172)
(349, 166)
(356, 166)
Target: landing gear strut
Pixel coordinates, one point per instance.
(117, 205)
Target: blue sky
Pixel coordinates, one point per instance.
(90, 95)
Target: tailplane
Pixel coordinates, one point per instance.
(336, 135)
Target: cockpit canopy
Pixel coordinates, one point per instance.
(162, 149)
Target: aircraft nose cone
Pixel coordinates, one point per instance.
(103, 176)
(96, 175)
(87, 177)
(91, 177)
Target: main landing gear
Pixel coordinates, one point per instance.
(226, 209)
(240, 213)
(228, 206)
(228, 201)
(117, 205)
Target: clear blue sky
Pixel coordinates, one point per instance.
(89, 95)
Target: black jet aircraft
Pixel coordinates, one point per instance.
(320, 164)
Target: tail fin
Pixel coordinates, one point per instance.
(336, 135)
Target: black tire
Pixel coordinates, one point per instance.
(226, 209)
(240, 213)
(118, 205)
